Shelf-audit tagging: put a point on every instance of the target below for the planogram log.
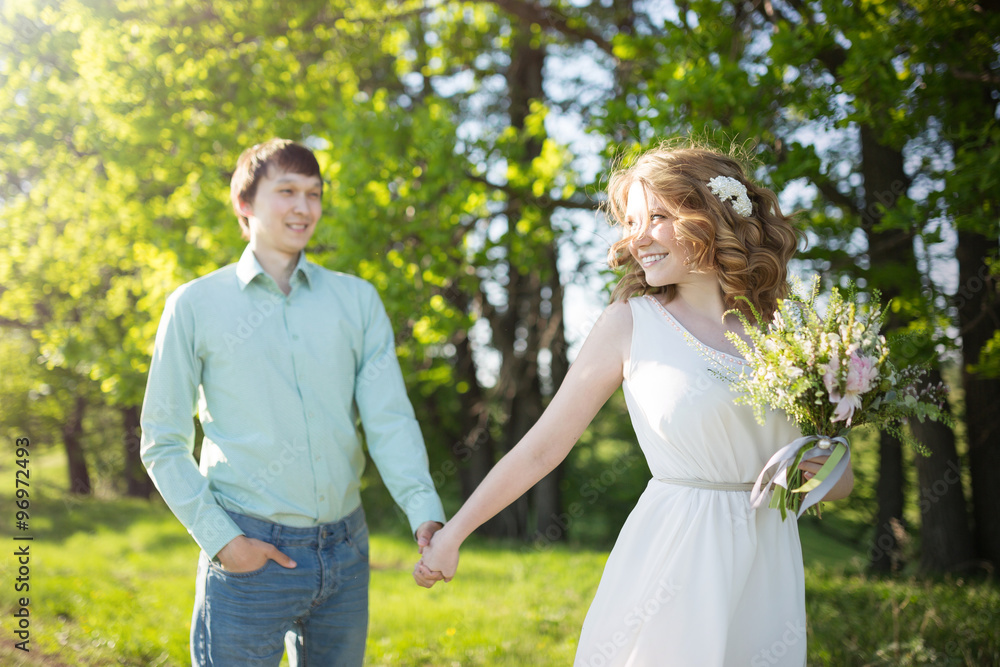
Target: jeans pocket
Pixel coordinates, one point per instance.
(359, 541)
(228, 574)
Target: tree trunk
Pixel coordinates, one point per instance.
(72, 432)
(519, 329)
(979, 316)
(978, 304)
(519, 389)
(138, 484)
(474, 452)
(892, 265)
(886, 555)
(945, 537)
(551, 524)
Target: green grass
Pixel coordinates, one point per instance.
(508, 606)
(112, 584)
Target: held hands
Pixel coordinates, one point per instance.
(245, 554)
(425, 532)
(438, 562)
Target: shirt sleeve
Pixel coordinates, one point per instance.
(167, 422)
(391, 429)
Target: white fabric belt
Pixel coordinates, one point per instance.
(711, 486)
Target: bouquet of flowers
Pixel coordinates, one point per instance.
(829, 374)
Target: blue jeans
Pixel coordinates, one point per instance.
(242, 619)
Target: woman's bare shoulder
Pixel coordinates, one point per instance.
(611, 336)
(616, 319)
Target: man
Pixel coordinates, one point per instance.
(281, 357)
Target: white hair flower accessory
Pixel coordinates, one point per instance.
(727, 188)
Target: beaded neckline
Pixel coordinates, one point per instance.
(711, 352)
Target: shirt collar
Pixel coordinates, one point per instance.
(304, 269)
(249, 268)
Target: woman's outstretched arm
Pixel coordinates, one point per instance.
(591, 380)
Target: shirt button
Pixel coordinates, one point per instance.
(318, 458)
(295, 336)
(312, 414)
(322, 497)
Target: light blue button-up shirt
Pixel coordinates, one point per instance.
(279, 384)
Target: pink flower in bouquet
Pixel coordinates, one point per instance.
(846, 405)
(830, 372)
(862, 372)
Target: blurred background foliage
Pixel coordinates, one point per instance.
(464, 146)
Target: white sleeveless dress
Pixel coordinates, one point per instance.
(696, 578)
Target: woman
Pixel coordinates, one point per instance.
(696, 577)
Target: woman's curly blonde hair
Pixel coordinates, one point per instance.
(749, 253)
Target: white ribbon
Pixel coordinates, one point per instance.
(786, 456)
